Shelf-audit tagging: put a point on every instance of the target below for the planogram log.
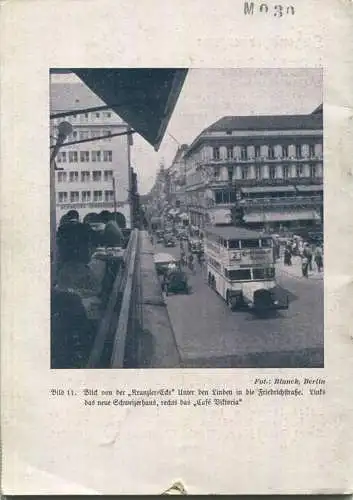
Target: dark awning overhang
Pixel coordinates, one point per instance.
(143, 98)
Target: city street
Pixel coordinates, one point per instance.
(208, 334)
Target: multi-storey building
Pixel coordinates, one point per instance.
(91, 176)
(267, 168)
(177, 180)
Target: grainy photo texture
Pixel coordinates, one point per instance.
(187, 218)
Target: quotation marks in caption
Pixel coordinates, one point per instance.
(261, 387)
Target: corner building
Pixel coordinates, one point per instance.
(270, 168)
(91, 176)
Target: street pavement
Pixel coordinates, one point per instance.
(209, 334)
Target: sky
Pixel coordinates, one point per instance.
(209, 94)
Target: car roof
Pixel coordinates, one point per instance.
(164, 257)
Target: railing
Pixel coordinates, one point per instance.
(259, 160)
(295, 200)
(115, 341)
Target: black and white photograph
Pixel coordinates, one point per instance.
(186, 218)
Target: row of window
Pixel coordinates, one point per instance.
(272, 172)
(244, 152)
(84, 156)
(85, 117)
(86, 196)
(267, 273)
(85, 176)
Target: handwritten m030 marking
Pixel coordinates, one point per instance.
(278, 10)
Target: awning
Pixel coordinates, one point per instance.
(281, 216)
(268, 189)
(172, 211)
(144, 98)
(183, 216)
(316, 188)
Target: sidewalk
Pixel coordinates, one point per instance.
(295, 270)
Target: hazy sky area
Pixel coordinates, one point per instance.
(210, 94)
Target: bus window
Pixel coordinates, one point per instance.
(266, 242)
(250, 243)
(233, 244)
(238, 275)
(267, 273)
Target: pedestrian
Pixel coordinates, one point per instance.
(305, 266)
(307, 252)
(287, 256)
(318, 259)
(191, 262)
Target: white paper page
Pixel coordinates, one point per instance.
(265, 445)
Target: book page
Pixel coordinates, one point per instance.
(225, 401)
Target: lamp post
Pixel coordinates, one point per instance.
(64, 130)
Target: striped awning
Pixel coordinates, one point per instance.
(295, 215)
(268, 189)
(313, 188)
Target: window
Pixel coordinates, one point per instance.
(107, 114)
(61, 157)
(272, 172)
(244, 153)
(74, 196)
(229, 152)
(97, 175)
(97, 195)
(258, 173)
(299, 170)
(108, 175)
(73, 157)
(73, 176)
(285, 172)
(84, 156)
(244, 173)
(96, 156)
(216, 154)
(312, 170)
(109, 195)
(95, 133)
(83, 135)
(62, 196)
(107, 156)
(62, 176)
(85, 176)
(268, 273)
(271, 152)
(298, 151)
(311, 150)
(86, 196)
(98, 115)
(107, 132)
(285, 151)
(250, 243)
(257, 151)
(238, 275)
(266, 243)
(232, 244)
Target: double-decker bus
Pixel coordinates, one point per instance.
(241, 268)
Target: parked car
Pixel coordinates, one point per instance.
(169, 240)
(175, 282)
(163, 261)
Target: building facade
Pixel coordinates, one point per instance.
(95, 175)
(265, 170)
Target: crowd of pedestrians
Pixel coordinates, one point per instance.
(308, 253)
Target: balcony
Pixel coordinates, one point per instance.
(260, 160)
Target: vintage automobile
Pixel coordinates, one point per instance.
(169, 240)
(163, 261)
(175, 281)
(194, 245)
(159, 236)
